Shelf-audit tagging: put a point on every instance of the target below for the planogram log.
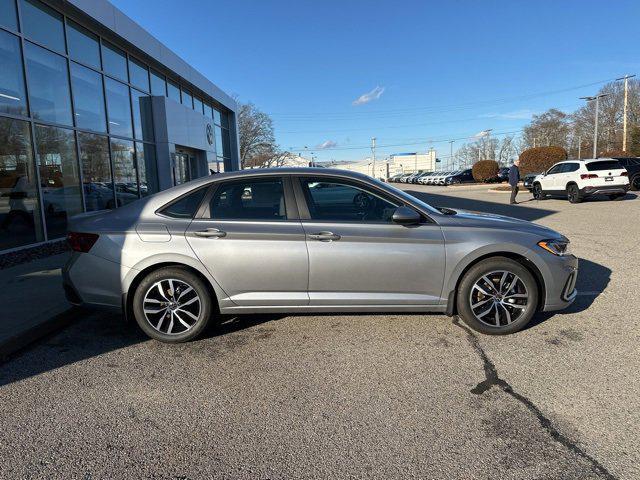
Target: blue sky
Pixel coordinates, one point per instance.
(433, 70)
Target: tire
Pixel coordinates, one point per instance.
(174, 322)
(635, 182)
(519, 310)
(538, 194)
(573, 194)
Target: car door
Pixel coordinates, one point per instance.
(357, 255)
(549, 181)
(565, 175)
(249, 237)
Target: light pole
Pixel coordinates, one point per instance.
(595, 130)
(451, 142)
(373, 155)
(624, 114)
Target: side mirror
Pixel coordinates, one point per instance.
(406, 216)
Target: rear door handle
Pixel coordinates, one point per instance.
(210, 233)
(324, 236)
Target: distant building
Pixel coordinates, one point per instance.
(413, 162)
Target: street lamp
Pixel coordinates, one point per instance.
(595, 130)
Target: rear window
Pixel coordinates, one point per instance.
(186, 206)
(604, 165)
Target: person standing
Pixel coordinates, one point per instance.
(514, 178)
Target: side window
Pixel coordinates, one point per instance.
(338, 201)
(554, 169)
(249, 200)
(570, 167)
(187, 206)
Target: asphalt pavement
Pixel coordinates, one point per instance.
(351, 396)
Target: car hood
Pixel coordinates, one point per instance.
(491, 220)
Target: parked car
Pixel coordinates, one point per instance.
(294, 240)
(579, 179)
(527, 182)
(463, 176)
(395, 178)
(631, 165)
(424, 180)
(405, 177)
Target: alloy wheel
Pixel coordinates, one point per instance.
(635, 182)
(498, 298)
(171, 306)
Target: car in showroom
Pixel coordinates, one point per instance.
(463, 176)
(580, 179)
(295, 240)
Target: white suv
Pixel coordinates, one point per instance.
(577, 179)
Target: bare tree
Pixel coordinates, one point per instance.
(255, 129)
(552, 127)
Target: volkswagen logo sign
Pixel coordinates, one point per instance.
(209, 134)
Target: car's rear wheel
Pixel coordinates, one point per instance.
(497, 296)
(538, 194)
(172, 305)
(573, 194)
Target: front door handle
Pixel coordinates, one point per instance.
(324, 236)
(210, 233)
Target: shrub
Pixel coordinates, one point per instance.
(484, 170)
(540, 159)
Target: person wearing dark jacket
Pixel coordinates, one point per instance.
(514, 178)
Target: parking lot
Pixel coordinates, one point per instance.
(352, 396)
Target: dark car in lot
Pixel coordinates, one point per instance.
(528, 180)
(632, 165)
(464, 176)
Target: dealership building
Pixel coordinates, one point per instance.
(96, 113)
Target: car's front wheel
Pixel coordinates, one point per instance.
(497, 296)
(635, 182)
(172, 305)
(538, 194)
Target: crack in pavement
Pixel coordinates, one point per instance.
(493, 379)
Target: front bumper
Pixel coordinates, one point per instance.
(561, 288)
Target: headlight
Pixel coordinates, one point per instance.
(557, 247)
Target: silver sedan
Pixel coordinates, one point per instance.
(311, 240)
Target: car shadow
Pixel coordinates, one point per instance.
(472, 204)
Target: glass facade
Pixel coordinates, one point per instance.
(76, 122)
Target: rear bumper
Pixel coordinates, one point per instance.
(604, 189)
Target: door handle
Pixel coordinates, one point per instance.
(210, 233)
(324, 236)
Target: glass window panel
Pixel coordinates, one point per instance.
(218, 133)
(8, 14)
(118, 108)
(88, 98)
(224, 120)
(216, 117)
(59, 177)
(13, 98)
(187, 206)
(187, 99)
(19, 205)
(173, 91)
(83, 45)
(226, 150)
(114, 61)
(335, 201)
(139, 74)
(249, 200)
(96, 171)
(208, 111)
(48, 85)
(147, 168)
(158, 84)
(124, 171)
(142, 115)
(42, 24)
(197, 105)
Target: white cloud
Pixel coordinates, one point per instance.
(374, 94)
(481, 134)
(524, 114)
(326, 144)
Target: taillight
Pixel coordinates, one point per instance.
(624, 174)
(81, 242)
(587, 176)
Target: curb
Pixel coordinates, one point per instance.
(47, 327)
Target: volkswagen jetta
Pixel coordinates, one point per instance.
(311, 240)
